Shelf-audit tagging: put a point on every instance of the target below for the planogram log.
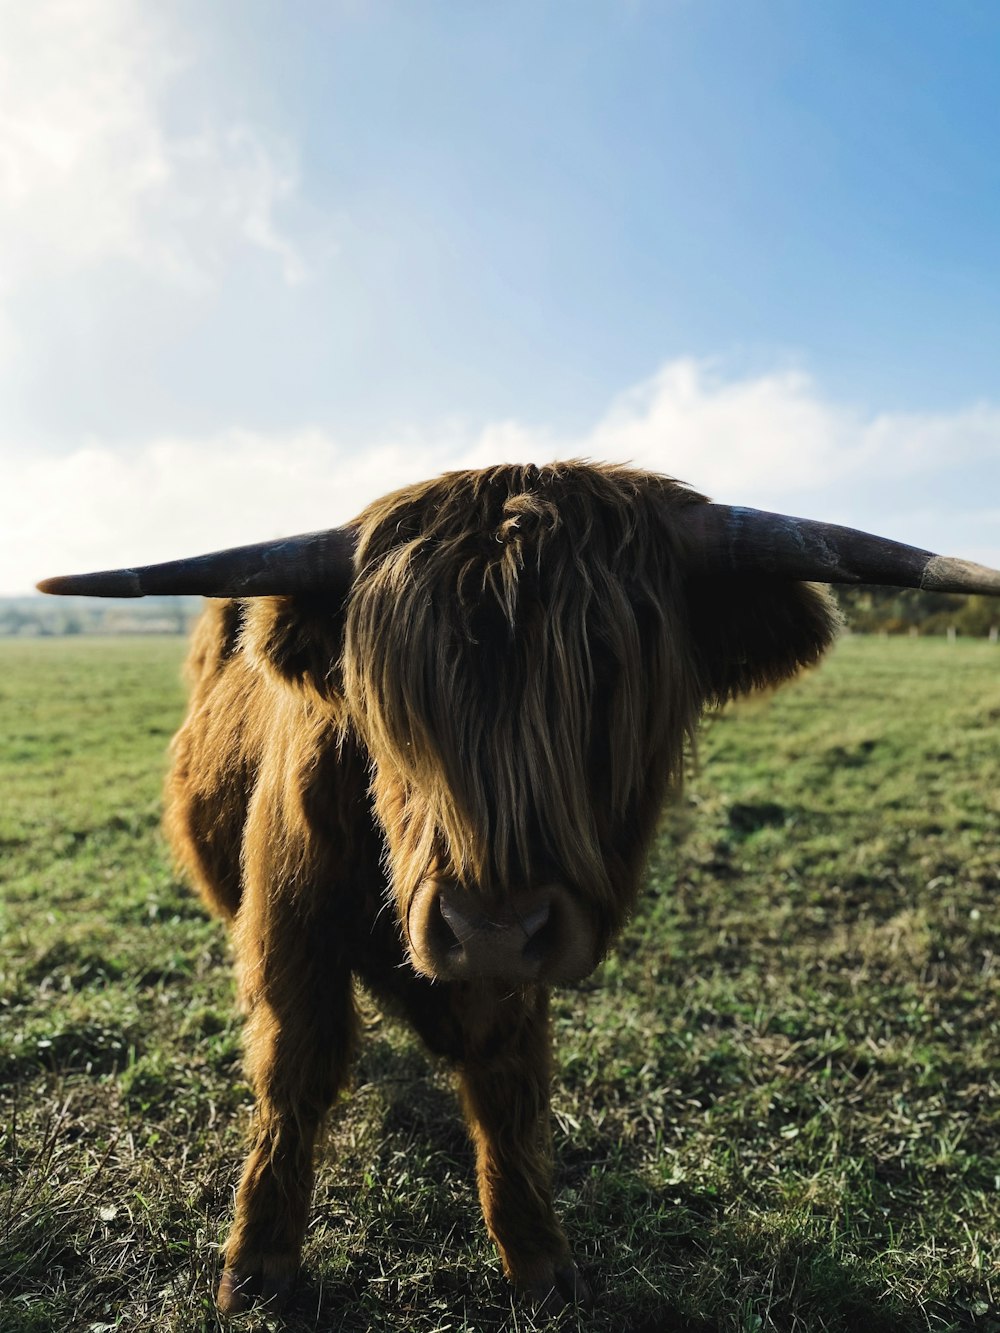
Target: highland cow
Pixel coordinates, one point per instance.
(470, 703)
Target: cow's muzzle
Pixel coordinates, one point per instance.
(532, 935)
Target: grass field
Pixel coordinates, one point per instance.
(778, 1104)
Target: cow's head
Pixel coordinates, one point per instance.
(524, 653)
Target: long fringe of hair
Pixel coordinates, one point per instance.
(516, 658)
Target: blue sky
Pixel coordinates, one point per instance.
(263, 261)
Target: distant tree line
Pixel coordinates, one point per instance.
(44, 616)
(867, 610)
(876, 610)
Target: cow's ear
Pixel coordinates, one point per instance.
(751, 633)
(300, 640)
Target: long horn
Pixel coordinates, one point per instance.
(725, 539)
(312, 562)
(728, 539)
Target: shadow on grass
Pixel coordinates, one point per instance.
(738, 1286)
(398, 1243)
(660, 1260)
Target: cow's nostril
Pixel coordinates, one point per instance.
(451, 929)
(459, 927)
(533, 922)
(541, 930)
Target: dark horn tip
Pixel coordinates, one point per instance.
(105, 583)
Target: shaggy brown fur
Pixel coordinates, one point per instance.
(503, 702)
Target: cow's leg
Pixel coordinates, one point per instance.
(505, 1082)
(299, 1042)
(500, 1042)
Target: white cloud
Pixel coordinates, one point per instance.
(90, 170)
(762, 439)
(771, 441)
(734, 438)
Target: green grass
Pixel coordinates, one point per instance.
(778, 1104)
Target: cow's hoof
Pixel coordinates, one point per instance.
(562, 1284)
(242, 1290)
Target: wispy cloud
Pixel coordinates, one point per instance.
(762, 438)
(90, 168)
(772, 441)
